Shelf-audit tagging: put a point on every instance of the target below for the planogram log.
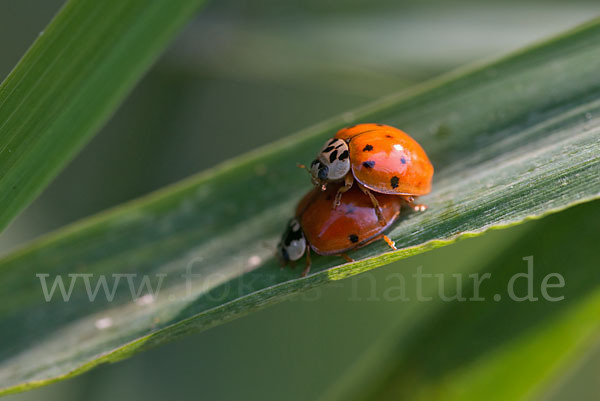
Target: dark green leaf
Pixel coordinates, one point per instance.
(513, 140)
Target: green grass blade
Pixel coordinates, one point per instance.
(70, 81)
(513, 140)
(519, 349)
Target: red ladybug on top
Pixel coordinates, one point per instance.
(380, 157)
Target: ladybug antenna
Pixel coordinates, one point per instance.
(315, 181)
(303, 166)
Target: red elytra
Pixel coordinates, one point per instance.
(352, 224)
(387, 160)
(380, 157)
(328, 231)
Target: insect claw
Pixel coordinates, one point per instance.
(419, 208)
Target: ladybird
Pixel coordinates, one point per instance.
(327, 231)
(379, 157)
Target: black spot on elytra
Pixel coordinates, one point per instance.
(328, 149)
(389, 136)
(369, 163)
(368, 148)
(353, 238)
(394, 182)
(333, 156)
(344, 155)
(403, 160)
(331, 141)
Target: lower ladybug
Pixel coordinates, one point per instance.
(327, 231)
(380, 158)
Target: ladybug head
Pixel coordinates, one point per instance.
(332, 164)
(293, 244)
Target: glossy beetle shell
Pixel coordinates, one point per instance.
(352, 224)
(387, 160)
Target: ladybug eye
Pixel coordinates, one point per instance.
(319, 171)
(323, 172)
(282, 252)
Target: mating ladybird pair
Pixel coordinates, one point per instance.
(341, 214)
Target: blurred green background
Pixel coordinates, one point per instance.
(277, 67)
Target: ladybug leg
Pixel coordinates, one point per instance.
(417, 207)
(375, 204)
(308, 263)
(348, 182)
(346, 257)
(388, 241)
(384, 237)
